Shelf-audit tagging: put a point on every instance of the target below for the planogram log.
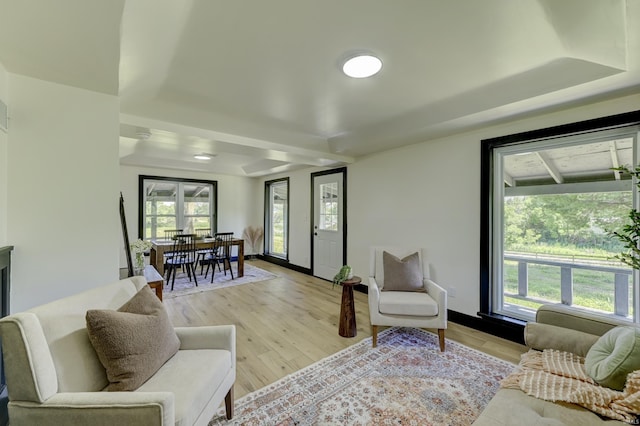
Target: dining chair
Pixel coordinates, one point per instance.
(213, 258)
(201, 235)
(184, 256)
(169, 235)
(223, 239)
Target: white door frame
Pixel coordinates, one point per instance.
(343, 229)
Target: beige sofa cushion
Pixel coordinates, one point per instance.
(192, 387)
(133, 342)
(510, 407)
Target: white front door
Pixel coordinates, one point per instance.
(328, 222)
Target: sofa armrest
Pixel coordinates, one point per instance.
(568, 329)
(576, 319)
(208, 337)
(546, 336)
(97, 408)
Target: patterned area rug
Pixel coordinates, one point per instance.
(183, 286)
(406, 380)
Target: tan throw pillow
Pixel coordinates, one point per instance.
(402, 274)
(133, 342)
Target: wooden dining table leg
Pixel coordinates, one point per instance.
(241, 259)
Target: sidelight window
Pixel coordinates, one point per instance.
(277, 217)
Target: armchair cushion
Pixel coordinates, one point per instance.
(133, 342)
(407, 303)
(614, 355)
(402, 274)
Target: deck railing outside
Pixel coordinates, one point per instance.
(620, 277)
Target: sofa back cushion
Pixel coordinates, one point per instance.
(77, 366)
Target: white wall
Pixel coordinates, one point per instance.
(425, 195)
(4, 141)
(239, 200)
(429, 195)
(62, 214)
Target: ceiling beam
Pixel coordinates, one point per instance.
(569, 188)
(508, 179)
(272, 150)
(613, 149)
(548, 164)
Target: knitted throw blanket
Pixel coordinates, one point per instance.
(560, 376)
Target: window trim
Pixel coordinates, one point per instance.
(487, 191)
(267, 218)
(141, 207)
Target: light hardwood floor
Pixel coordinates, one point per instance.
(291, 321)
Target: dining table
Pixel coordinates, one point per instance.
(160, 247)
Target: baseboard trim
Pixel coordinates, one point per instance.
(362, 288)
(284, 263)
(496, 326)
(509, 330)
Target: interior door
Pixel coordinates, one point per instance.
(328, 224)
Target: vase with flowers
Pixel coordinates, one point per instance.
(138, 248)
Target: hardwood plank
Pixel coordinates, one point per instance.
(289, 322)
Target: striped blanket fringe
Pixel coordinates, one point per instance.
(554, 375)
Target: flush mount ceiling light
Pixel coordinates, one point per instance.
(362, 66)
(203, 156)
(143, 134)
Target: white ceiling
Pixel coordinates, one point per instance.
(258, 83)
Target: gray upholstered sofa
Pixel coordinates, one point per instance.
(55, 377)
(556, 327)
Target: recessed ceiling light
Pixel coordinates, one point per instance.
(203, 156)
(362, 66)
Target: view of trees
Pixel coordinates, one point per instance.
(564, 228)
(570, 220)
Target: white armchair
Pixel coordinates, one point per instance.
(403, 308)
(54, 375)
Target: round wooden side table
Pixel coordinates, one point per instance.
(347, 309)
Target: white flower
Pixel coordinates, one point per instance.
(140, 246)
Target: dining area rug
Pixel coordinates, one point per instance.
(406, 380)
(184, 286)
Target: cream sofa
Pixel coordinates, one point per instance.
(556, 327)
(54, 376)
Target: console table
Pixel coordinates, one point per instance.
(154, 279)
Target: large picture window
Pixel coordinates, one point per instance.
(277, 217)
(550, 199)
(169, 204)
